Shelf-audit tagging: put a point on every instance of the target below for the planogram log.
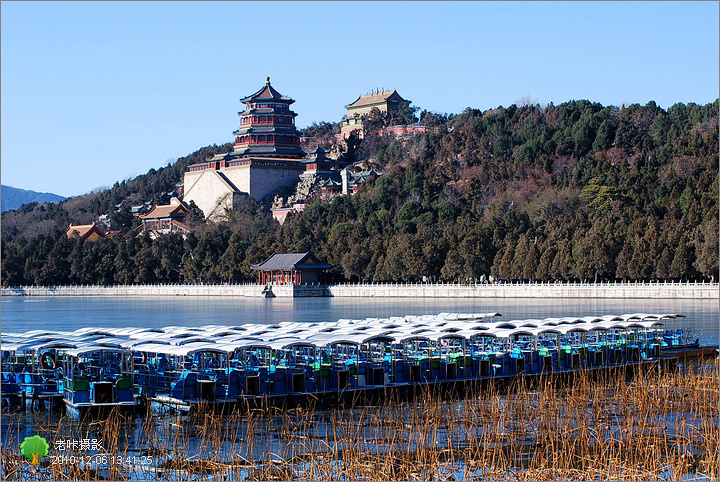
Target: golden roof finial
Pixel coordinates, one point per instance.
(267, 80)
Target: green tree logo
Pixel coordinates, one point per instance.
(34, 448)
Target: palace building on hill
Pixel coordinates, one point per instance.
(166, 219)
(385, 101)
(266, 156)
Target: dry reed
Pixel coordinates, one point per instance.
(655, 426)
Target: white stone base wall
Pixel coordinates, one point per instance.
(528, 290)
(210, 192)
(264, 180)
(214, 192)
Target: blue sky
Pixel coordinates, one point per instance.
(93, 93)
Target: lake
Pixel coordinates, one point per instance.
(20, 314)
(237, 437)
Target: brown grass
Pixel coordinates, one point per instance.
(658, 426)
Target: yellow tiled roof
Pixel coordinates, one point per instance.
(376, 98)
(165, 211)
(83, 230)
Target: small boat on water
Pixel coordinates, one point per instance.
(31, 372)
(98, 379)
(94, 370)
(182, 375)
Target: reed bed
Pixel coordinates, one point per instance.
(656, 426)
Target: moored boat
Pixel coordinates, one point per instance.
(98, 379)
(100, 369)
(182, 376)
(32, 373)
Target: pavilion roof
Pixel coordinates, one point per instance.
(297, 261)
(267, 93)
(165, 211)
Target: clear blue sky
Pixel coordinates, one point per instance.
(93, 93)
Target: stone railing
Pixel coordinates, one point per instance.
(670, 290)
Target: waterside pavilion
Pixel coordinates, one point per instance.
(292, 269)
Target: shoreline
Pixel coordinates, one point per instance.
(620, 290)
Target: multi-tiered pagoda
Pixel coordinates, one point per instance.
(266, 156)
(267, 126)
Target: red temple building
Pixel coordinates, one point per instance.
(292, 269)
(318, 162)
(166, 218)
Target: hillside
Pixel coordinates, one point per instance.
(13, 198)
(577, 191)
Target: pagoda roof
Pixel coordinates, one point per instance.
(228, 156)
(318, 151)
(377, 98)
(360, 177)
(267, 111)
(293, 261)
(267, 129)
(371, 172)
(292, 153)
(317, 155)
(267, 93)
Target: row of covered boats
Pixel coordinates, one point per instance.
(93, 369)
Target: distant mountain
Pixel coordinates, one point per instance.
(13, 198)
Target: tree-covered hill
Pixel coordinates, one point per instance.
(35, 219)
(577, 191)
